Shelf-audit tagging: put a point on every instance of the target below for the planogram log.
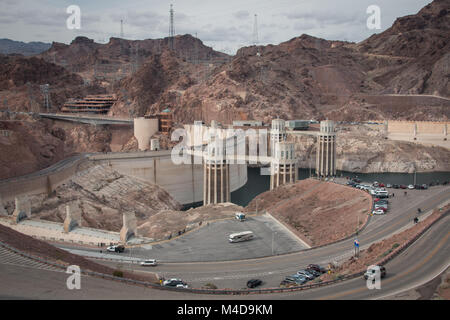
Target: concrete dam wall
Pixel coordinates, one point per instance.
(183, 182)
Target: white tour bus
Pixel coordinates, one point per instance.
(241, 236)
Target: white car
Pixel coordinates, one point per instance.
(410, 187)
(111, 248)
(149, 262)
(378, 211)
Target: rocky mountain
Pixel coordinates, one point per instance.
(420, 45)
(8, 46)
(21, 77)
(308, 77)
(82, 54)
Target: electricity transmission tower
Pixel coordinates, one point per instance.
(255, 31)
(136, 57)
(171, 30)
(46, 92)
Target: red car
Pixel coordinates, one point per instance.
(381, 185)
(402, 186)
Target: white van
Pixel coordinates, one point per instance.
(382, 194)
(149, 262)
(240, 216)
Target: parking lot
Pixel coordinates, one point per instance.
(210, 243)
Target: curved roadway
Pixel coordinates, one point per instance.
(424, 259)
(234, 274)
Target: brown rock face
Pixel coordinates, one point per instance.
(308, 77)
(16, 71)
(313, 208)
(103, 195)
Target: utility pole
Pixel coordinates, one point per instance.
(121, 29)
(171, 29)
(273, 238)
(309, 158)
(196, 50)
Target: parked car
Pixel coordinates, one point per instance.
(381, 185)
(305, 274)
(317, 268)
(294, 279)
(389, 185)
(395, 186)
(371, 272)
(380, 206)
(149, 262)
(313, 272)
(402, 186)
(378, 212)
(424, 186)
(175, 283)
(410, 187)
(253, 283)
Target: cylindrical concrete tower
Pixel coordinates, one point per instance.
(326, 150)
(283, 168)
(277, 133)
(143, 130)
(216, 173)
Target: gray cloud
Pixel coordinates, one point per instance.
(242, 14)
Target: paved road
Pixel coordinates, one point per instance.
(55, 167)
(427, 257)
(234, 274)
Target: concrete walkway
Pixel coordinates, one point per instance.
(53, 231)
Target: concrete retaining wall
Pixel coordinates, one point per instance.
(423, 127)
(392, 101)
(39, 183)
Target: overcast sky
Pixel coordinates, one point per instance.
(226, 25)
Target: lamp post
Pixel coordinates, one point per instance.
(273, 237)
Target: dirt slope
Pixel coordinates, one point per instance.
(313, 208)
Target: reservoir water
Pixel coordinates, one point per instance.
(257, 183)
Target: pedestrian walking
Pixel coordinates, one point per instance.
(393, 195)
